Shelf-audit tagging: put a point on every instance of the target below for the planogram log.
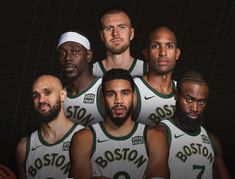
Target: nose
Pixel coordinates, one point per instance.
(41, 99)
(118, 99)
(115, 31)
(194, 107)
(162, 51)
(68, 57)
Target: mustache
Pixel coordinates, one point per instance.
(116, 38)
(119, 106)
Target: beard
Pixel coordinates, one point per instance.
(50, 115)
(186, 123)
(119, 121)
(117, 50)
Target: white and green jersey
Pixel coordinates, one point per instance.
(85, 107)
(190, 155)
(138, 68)
(119, 157)
(44, 160)
(152, 106)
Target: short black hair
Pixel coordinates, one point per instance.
(191, 76)
(115, 74)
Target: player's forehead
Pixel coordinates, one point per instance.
(118, 85)
(163, 35)
(196, 90)
(115, 18)
(46, 83)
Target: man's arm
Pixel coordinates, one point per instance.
(20, 157)
(219, 168)
(158, 153)
(80, 153)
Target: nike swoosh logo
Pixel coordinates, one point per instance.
(177, 136)
(102, 140)
(34, 148)
(147, 98)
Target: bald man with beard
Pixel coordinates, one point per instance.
(45, 152)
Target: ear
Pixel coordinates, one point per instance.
(134, 100)
(132, 33)
(177, 53)
(101, 35)
(89, 55)
(145, 53)
(63, 94)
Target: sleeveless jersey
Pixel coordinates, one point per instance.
(85, 107)
(152, 106)
(190, 155)
(138, 68)
(119, 157)
(45, 160)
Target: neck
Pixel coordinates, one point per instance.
(161, 83)
(123, 60)
(81, 83)
(119, 131)
(57, 128)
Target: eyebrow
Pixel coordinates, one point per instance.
(194, 99)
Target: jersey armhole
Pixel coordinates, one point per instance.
(94, 141)
(136, 112)
(145, 66)
(146, 139)
(169, 139)
(211, 141)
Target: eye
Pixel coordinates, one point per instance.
(126, 93)
(61, 53)
(110, 94)
(122, 27)
(154, 46)
(170, 46)
(35, 95)
(108, 29)
(202, 102)
(188, 100)
(47, 92)
(76, 52)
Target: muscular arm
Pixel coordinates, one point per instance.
(219, 168)
(20, 157)
(80, 153)
(158, 153)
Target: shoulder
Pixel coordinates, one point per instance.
(157, 132)
(22, 143)
(83, 133)
(215, 143)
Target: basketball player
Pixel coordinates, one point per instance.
(117, 33)
(118, 147)
(155, 90)
(193, 151)
(45, 153)
(82, 103)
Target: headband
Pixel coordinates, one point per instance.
(74, 37)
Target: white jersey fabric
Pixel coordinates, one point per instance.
(119, 157)
(85, 107)
(152, 106)
(138, 68)
(191, 155)
(44, 160)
